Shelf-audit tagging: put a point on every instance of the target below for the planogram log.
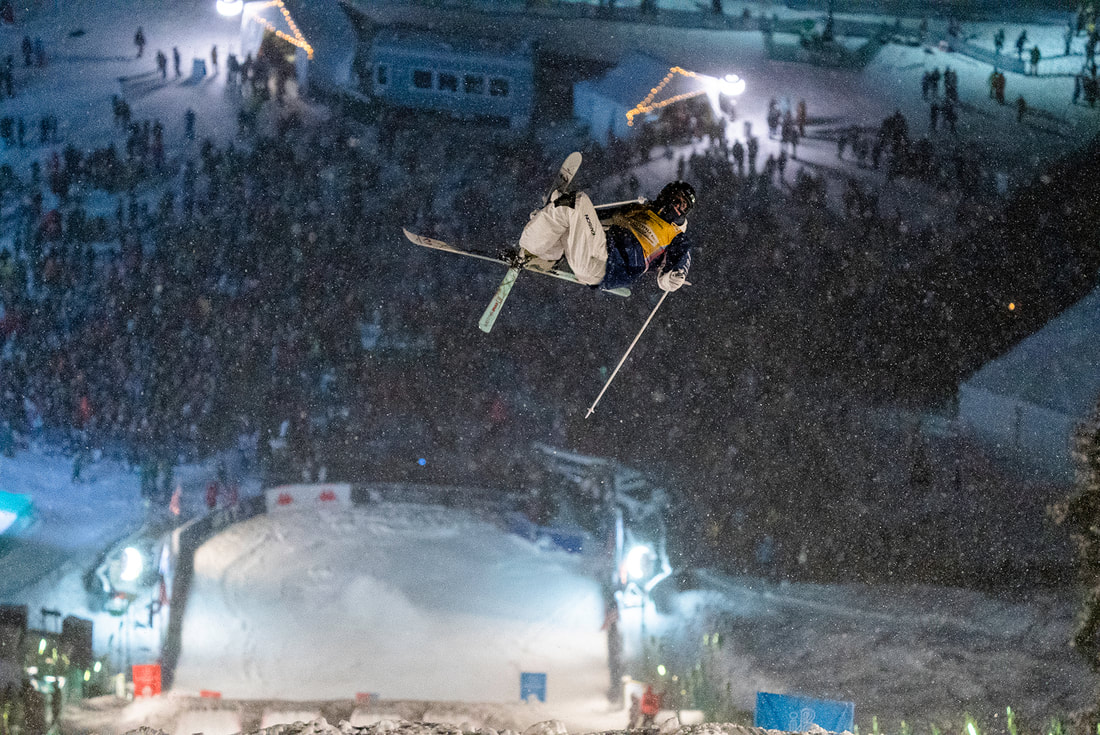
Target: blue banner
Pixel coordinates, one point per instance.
(796, 714)
(532, 685)
(571, 540)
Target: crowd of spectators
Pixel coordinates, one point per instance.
(259, 294)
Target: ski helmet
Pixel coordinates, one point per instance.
(672, 194)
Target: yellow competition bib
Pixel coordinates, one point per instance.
(652, 232)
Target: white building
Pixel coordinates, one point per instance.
(1028, 402)
(617, 103)
(317, 37)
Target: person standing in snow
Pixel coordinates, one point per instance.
(34, 710)
(789, 136)
(139, 41)
(638, 237)
(773, 118)
(7, 710)
(651, 705)
(752, 148)
(232, 69)
(634, 712)
(950, 84)
(56, 703)
(950, 116)
(158, 144)
(176, 60)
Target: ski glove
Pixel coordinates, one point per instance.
(671, 280)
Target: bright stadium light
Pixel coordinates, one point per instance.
(731, 85)
(229, 8)
(132, 563)
(638, 563)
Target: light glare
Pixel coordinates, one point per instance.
(229, 8)
(636, 562)
(131, 564)
(731, 85)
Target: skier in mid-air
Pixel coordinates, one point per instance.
(638, 237)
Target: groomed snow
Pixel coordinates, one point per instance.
(400, 601)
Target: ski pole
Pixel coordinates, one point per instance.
(627, 353)
(611, 205)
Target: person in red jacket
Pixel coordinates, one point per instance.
(651, 705)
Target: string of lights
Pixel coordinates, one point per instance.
(648, 105)
(296, 40)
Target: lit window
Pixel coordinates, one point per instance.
(498, 87)
(447, 82)
(422, 79)
(473, 84)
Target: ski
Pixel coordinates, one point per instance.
(492, 311)
(434, 244)
(565, 176)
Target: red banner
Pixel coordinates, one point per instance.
(146, 680)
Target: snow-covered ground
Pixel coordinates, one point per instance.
(896, 652)
(89, 46)
(434, 612)
(311, 586)
(90, 50)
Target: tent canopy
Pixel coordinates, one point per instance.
(320, 30)
(608, 102)
(1057, 368)
(15, 512)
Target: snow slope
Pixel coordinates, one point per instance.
(295, 613)
(349, 594)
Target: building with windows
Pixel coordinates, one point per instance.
(466, 78)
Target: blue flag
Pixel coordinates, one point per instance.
(796, 714)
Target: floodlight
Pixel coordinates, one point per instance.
(132, 563)
(731, 85)
(639, 562)
(229, 8)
